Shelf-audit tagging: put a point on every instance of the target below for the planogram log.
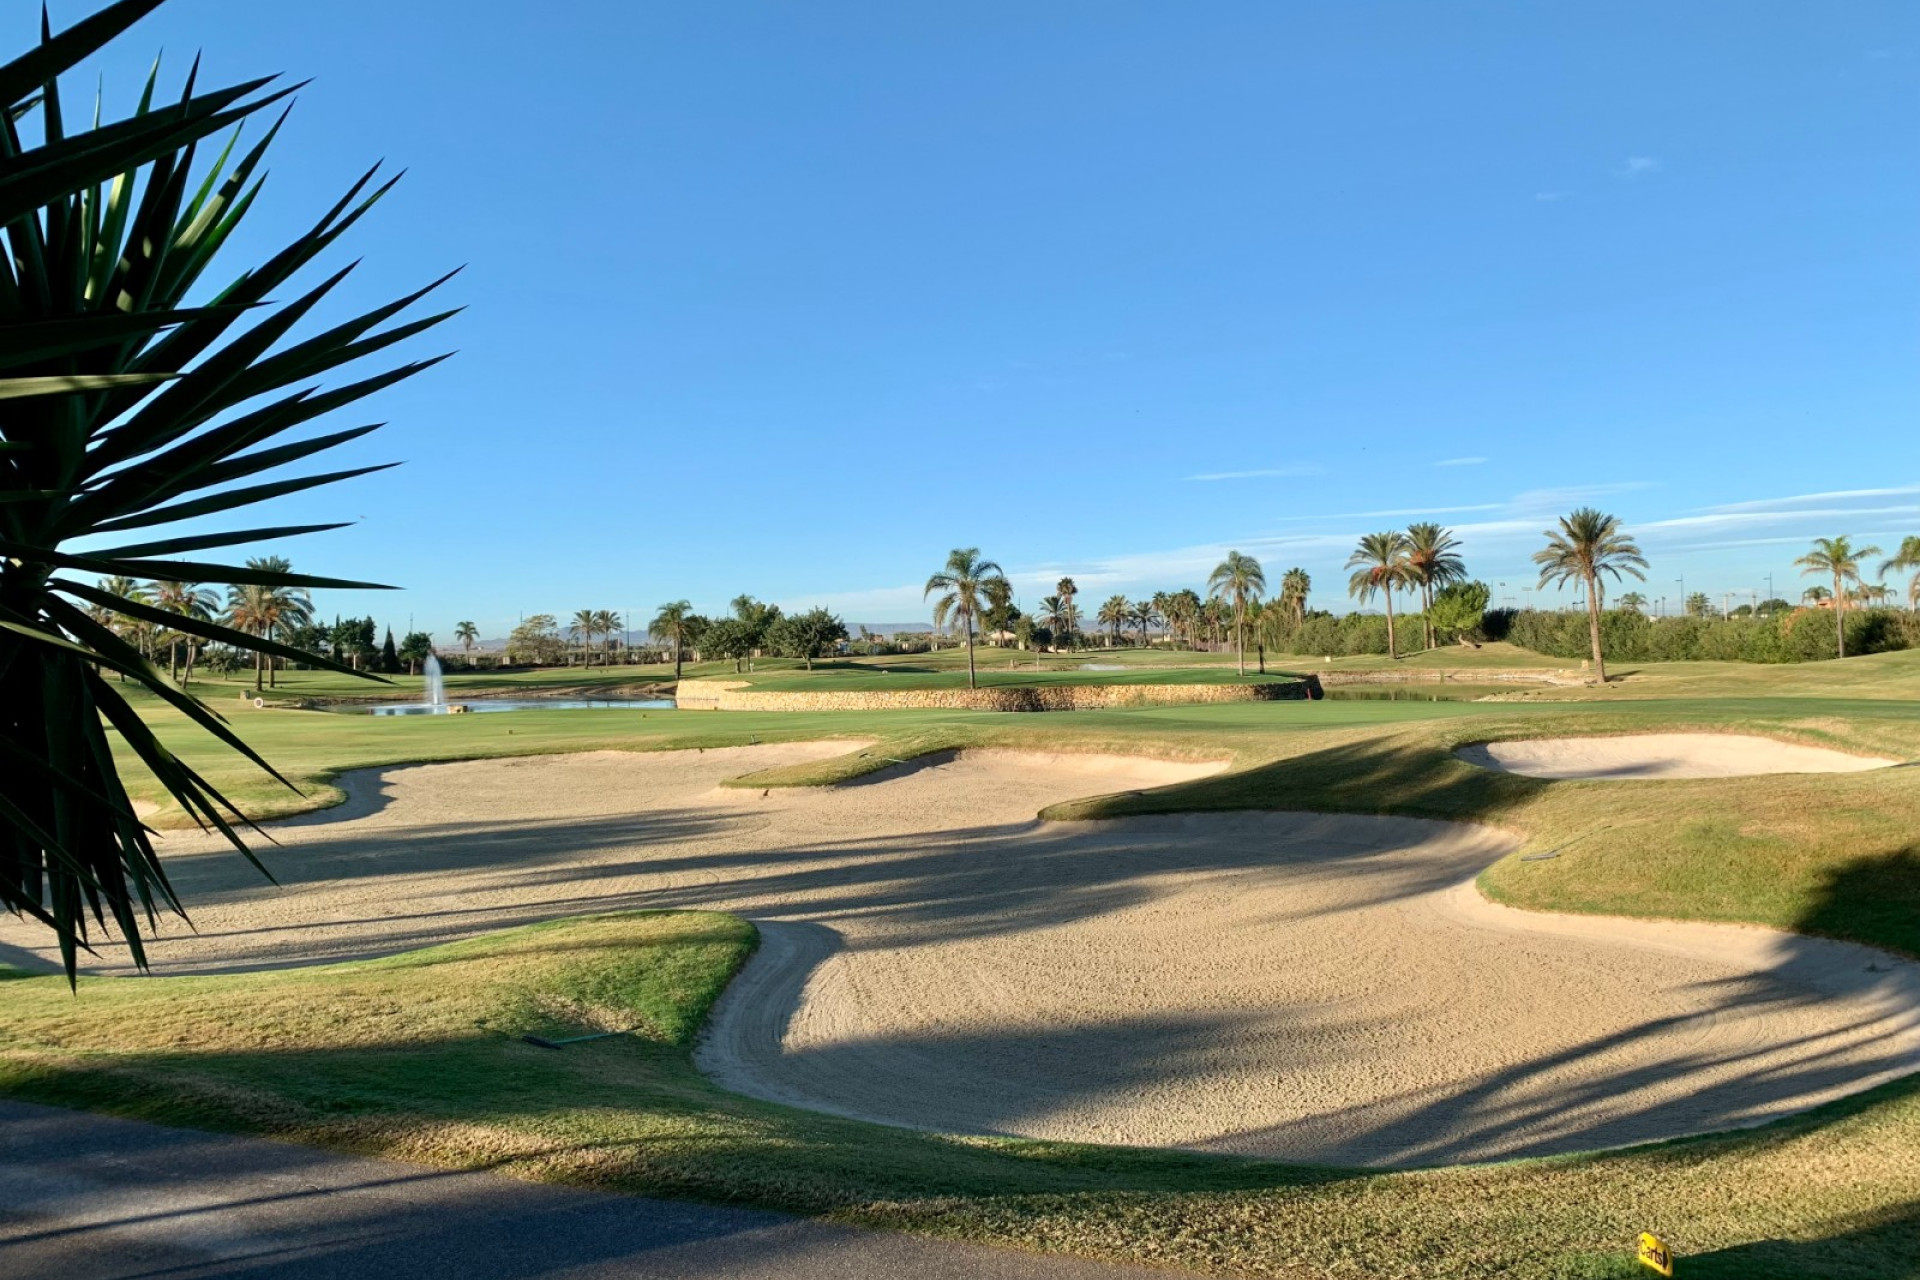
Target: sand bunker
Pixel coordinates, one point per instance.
(1293, 985)
(1662, 755)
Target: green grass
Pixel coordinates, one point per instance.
(418, 1056)
(388, 1057)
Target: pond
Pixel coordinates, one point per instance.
(508, 704)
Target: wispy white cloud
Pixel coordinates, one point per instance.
(1498, 538)
(1638, 166)
(1263, 473)
(1459, 462)
(1829, 497)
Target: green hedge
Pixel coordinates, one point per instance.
(1804, 635)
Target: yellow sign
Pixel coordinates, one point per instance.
(1654, 1253)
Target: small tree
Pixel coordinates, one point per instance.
(415, 650)
(536, 642)
(1458, 609)
(389, 655)
(807, 636)
(729, 638)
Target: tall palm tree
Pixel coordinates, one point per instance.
(961, 586)
(468, 635)
(1114, 615)
(188, 600)
(1380, 565)
(1143, 615)
(1433, 562)
(1905, 559)
(1840, 560)
(1238, 581)
(1187, 601)
(270, 612)
(670, 623)
(1294, 588)
(583, 627)
(606, 622)
(1633, 602)
(997, 614)
(1212, 618)
(1069, 613)
(1157, 608)
(1588, 546)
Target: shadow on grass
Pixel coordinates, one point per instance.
(1883, 1245)
(1874, 898)
(1419, 779)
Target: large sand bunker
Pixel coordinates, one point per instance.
(1292, 985)
(1662, 755)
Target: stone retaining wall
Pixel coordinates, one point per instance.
(734, 695)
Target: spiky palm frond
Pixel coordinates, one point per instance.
(961, 585)
(132, 398)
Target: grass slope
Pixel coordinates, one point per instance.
(418, 1056)
(393, 1056)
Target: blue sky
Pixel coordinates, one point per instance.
(790, 299)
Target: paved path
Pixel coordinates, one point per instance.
(105, 1199)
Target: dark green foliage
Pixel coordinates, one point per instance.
(389, 656)
(415, 650)
(1802, 635)
(728, 639)
(132, 396)
(353, 641)
(1457, 609)
(808, 635)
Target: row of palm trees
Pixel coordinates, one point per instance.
(1586, 548)
(1838, 560)
(272, 613)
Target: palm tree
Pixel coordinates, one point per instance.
(584, 626)
(468, 635)
(1144, 614)
(1294, 588)
(1587, 546)
(1237, 581)
(1069, 615)
(1114, 615)
(998, 613)
(1212, 617)
(269, 612)
(962, 589)
(670, 623)
(188, 600)
(606, 622)
(1633, 602)
(146, 382)
(1432, 563)
(1816, 595)
(1840, 560)
(1907, 557)
(1380, 564)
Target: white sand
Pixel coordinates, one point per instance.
(1663, 755)
(1296, 985)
